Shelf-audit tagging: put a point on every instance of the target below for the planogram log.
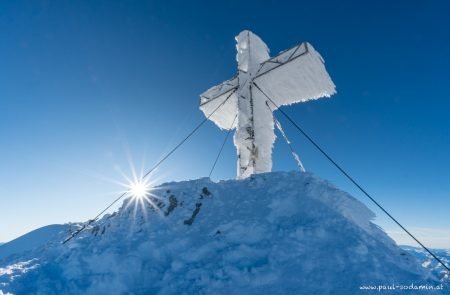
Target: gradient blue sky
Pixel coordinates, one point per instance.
(87, 85)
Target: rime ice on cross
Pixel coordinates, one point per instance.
(295, 75)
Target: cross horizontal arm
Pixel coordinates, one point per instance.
(209, 100)
(282, 58)
(295, 75)
(222, 118)
(219, 90)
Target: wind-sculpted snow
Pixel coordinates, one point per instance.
(273, 233)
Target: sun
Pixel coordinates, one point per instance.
(142, 196)
(139, 189)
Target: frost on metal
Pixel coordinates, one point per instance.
(295, 75)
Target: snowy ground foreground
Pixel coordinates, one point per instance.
(273, 233)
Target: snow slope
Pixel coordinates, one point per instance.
(31, 240)
(272, 233)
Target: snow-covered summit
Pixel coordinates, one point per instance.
(272, 233)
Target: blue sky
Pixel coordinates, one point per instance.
(87, 85)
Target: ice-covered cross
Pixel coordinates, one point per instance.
(295, 75)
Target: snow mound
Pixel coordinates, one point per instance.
(272, 233)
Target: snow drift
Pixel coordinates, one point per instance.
(272, 233)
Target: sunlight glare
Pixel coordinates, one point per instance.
(139, 189)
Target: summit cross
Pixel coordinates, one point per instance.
(295, 75)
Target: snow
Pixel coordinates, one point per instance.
(32, 240)
(429, 263)
(271, 233)
(295, 75)
(294, 154)
(219, 103)
(254, 136)
(251, 52)
(301, 77)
